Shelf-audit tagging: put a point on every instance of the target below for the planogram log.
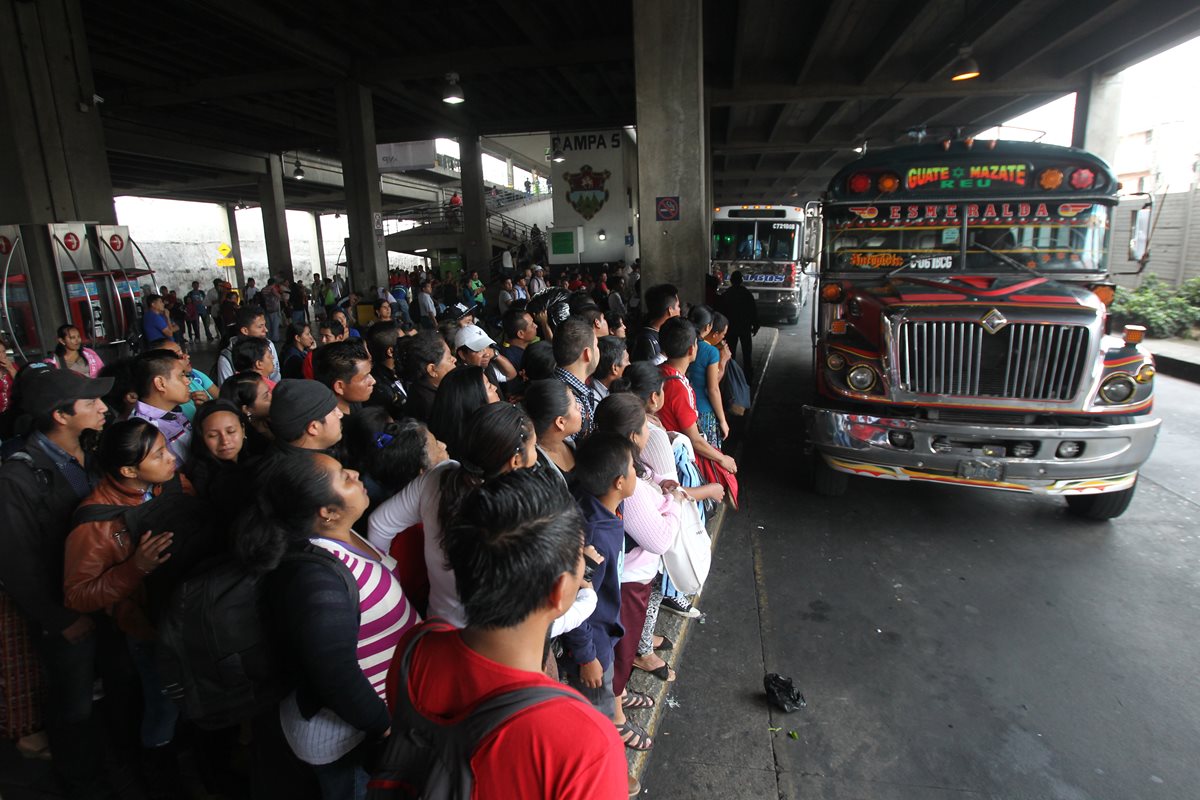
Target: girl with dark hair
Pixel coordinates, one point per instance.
(338, 646)
(425, 359)
(251, 394)
(460, 393)
(105, 567)
(499, 438)
(705, 374)
(556, 417)
(616, 324)
(299, 343)
(388, 391)
(70, 353)
(254, 354)
(388, 454)
(218, 466)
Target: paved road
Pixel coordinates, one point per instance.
(950, 644)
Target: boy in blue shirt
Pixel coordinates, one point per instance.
(155, 324)
(605, 477)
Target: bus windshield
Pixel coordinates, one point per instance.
(971, 237)
(754, 240)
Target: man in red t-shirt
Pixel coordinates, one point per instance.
(516, 548)
(678, 339)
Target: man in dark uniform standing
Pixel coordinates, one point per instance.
(738, 305)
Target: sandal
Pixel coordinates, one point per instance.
(663, 671)
(634, 699)
(634, 736)
(667, 644)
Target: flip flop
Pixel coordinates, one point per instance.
(634, 736)
(635, 700)
(667, 644)
(662, 672)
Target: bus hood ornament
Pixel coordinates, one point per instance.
(993, 321)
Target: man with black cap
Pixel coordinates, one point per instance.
(305, 416)
(40, 486)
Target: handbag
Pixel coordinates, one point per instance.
(735, 389)
(689, 558)
(712, 472)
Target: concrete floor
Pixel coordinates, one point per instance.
(950, 643)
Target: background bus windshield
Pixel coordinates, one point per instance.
(1067, 237)
(753, 240)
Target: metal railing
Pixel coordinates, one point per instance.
(443, 218)
(1026, 361)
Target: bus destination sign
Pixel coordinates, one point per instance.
(974, 176)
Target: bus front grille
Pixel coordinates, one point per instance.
(1022, 361)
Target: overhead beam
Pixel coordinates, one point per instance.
(174, 93)
(893, 35)
(823, 18)
(1124, 33)
(227, 180)
(121, 141)
(756, 148)
(1030, 45)
(283, 35)
(772, 94)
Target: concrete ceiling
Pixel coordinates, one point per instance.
(197, 92)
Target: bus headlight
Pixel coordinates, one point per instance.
(860, 378)
(1117, 389)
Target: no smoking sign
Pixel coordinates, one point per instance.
(666, 209)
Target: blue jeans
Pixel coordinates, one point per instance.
(159, 714)
(344, 779)
(274, 319)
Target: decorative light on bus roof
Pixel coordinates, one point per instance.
(1050, 179)
(860, 182)
(888, 182)
(1082, 178)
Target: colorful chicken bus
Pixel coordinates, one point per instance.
(962, 333)
(762, 242)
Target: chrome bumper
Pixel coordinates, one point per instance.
(975, 455)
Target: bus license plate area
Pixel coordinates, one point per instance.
(980, 470)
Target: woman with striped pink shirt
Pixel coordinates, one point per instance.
(339, 612)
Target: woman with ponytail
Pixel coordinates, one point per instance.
(70, 353)
(498, 438)
(338, 646)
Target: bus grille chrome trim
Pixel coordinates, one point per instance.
(1024, 361)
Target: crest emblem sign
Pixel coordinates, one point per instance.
(586, 191)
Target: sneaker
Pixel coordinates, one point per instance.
(680, 606)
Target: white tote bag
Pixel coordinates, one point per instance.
(688, 561)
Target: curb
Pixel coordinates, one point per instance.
(1177, 368)
(677, 628)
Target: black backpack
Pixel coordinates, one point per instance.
(432, 761)
(215, 654)
(196, 538)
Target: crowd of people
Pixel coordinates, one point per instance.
(436, 501)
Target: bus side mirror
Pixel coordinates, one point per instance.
(1139, 236)
(810, 250)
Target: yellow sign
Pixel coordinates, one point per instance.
(226, 262)
(224, 250)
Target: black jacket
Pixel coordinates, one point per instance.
(36, 503)
(388, 391)
(738, 305)
(420, 400)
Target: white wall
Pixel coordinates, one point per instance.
(602, 151)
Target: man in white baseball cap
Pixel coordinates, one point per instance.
(475, 348)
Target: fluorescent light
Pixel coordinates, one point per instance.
(421, 250)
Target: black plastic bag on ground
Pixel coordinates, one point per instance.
(782, 693)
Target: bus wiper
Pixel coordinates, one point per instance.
(1007, 259)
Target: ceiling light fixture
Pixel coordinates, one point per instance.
(298, 172)
(557, 156)
(601, 235)
(453, 93)
(965, 67)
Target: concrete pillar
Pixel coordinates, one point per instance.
(274, 214)
(477, 241)
(366, 252)
(235, 247)
(1097, 113)
(53, 164)
(320, 242)
(668, 58)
